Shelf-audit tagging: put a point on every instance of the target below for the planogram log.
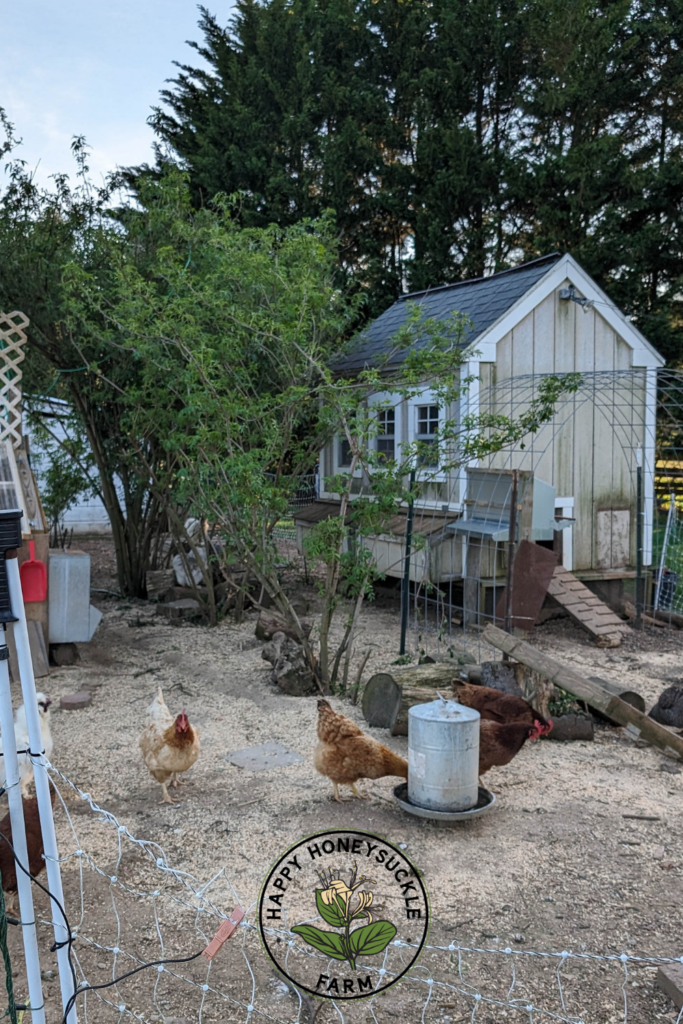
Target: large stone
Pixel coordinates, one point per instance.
(76, 701)
(186, 608)
(64, 654)
(263, 758)
(500, 676)
(669, 708)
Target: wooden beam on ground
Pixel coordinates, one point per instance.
(637, 725)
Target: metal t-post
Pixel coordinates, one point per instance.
(640, 599)
(16, 815)
(512, 542)
(405, 590)
(47, 825)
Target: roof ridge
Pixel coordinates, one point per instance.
(554, 256)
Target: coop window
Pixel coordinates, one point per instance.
(427, 435)
(344, 451)
(386, 434)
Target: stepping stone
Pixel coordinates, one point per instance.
(263, 758)
(76, 701)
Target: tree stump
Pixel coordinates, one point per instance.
(410, 697)
(382, 695)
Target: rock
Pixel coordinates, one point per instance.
(670, 767)
(270, 623)
(291, 670)
(64, 654)
(669, 708)
(658, 853)
(572, 727)
(500, 676)
(76, 701)
(186, 608)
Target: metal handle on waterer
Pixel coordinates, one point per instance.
(10, 540)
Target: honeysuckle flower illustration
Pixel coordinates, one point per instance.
(334, 906)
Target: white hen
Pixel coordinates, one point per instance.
(21, 735)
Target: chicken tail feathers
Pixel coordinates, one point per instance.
(393, 764)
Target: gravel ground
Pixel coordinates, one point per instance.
(555, 866)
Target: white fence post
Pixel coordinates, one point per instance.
(16, 813)
(47, 825)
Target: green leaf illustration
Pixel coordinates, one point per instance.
(328, 943)
(371, 938)
(331, 913)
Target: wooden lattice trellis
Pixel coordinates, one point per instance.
(12, 340)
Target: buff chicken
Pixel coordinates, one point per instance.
(170, 746)
(345, 754)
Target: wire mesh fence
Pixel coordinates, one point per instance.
(139, 925)
(600, 485)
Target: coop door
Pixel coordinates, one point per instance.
(613, 539)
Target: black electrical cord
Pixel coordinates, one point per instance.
(129, 974)
(69, 943)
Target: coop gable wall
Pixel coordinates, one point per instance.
(590, 456)
(588, 453)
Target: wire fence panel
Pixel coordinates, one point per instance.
(139, 924)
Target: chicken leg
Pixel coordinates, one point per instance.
(337, 795)
(167, 799)
(175, 781)
(357, 792)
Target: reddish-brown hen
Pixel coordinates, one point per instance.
(345, 754)
(495, 706)
(499, 742)
(34, 845)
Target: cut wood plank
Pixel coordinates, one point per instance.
(586, 608)
(670, 980)
(637, 724)
(39, 658)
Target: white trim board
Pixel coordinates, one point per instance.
(644, 354)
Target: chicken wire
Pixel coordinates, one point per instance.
(131, 909)
(618, 426)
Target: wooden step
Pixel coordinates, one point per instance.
(586, 608)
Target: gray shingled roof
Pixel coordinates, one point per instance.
(483, 300)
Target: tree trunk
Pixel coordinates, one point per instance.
(410, 697)
(382, 694)
(636, 723)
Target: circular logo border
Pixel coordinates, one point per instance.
(319, 835)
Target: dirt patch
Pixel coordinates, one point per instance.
(555, 866)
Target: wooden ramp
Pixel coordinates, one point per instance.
(588, 610)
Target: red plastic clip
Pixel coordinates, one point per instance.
(226, 929)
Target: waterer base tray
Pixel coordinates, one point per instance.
(444, 818)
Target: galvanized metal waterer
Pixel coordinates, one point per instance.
(443, 763)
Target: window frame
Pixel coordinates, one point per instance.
(426, 398)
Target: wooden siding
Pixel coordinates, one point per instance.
(588, 452)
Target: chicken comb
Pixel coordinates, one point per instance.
(226, 929)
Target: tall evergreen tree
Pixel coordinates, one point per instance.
(452, 138)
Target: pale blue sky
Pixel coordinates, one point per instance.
(93, 68)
